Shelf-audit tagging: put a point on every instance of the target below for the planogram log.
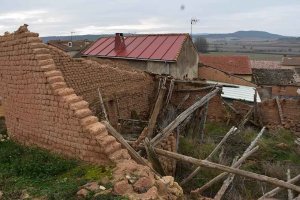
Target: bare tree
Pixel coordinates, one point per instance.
(201, 44)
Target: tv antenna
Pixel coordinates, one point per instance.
(193, 21)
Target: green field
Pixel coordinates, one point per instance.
(253, 56)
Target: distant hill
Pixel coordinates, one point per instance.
(74, 37)
(244, 35)
(239, 35)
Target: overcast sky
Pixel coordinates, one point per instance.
(60, 17)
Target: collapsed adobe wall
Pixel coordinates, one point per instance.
(124, 92)
(40, 109)
(290, 110)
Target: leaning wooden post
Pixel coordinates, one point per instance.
(203, 121)
(152, 157)
(102, 105)
(183, 101)
(245, 119)
(235, 165)
(171, 87)
(156, 110)
(278, 189)
(169, 129)
(196, 171)
(279, 111)
(131, 151)
(225, 185)
(290, 193)
(205, 163)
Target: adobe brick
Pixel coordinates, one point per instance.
(53, 73)
(88, 120)
(55, 79)
(83, 113)
(79, 105)
(97, 129)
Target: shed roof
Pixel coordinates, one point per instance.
(239, 65)
(77, 45)
(291, 61)
(274, 76)
(158, 47)
(237, 92)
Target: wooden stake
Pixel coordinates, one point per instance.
(171, 87)
(195, 89)
(279, 111)
(278, 189)
(152, 157)
(245, 119)
(230, 107)
(183, 100)
(196, 171)
(120, 138)
(203, 121)
(290, 193)
(156, 110)
(235, 165)
(227, 169)
(102, 105)
(168, 130)
(226, 184)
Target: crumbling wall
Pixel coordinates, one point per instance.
(40, 109)
(216, 110)
(124, 92)
(290, 110)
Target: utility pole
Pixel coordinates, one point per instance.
(193, 21)
(72, 35)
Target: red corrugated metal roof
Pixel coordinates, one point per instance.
(230, 64)
(160, 47)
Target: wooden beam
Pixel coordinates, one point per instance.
(183, 101)
(195, 89)
(131, 151)
(171, 87)
(278, 189)
(156, 110)
(280, 113)
(205, 163)
(153, 158)
(168, 130)
(245, 119)
(203, 121)
(196, 171)
(235, 165)
(102, 105)
(290, 193)
(230, 107)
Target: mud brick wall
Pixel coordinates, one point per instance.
(216, 110)
(40, 108)
(124, 92)
(291, 114)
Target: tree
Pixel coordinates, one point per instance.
(201, 44)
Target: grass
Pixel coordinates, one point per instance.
(277, 153)
(44, 175)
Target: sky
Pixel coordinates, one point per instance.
(61, 17)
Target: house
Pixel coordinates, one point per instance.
(284, 83)
(70, 47)
(291, 61)
(238, 66)
(171, 54)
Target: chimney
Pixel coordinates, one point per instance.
(119, 42)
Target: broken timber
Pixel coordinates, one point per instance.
(155, 112)
(279, 110)
(278, 189)
(152, 157)
(131, 151)
(168, 130)
(245, 119)
(195, 172)
(102, 105)
(195, 89)
(227, 169)
(235, 165)
(203, 121)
